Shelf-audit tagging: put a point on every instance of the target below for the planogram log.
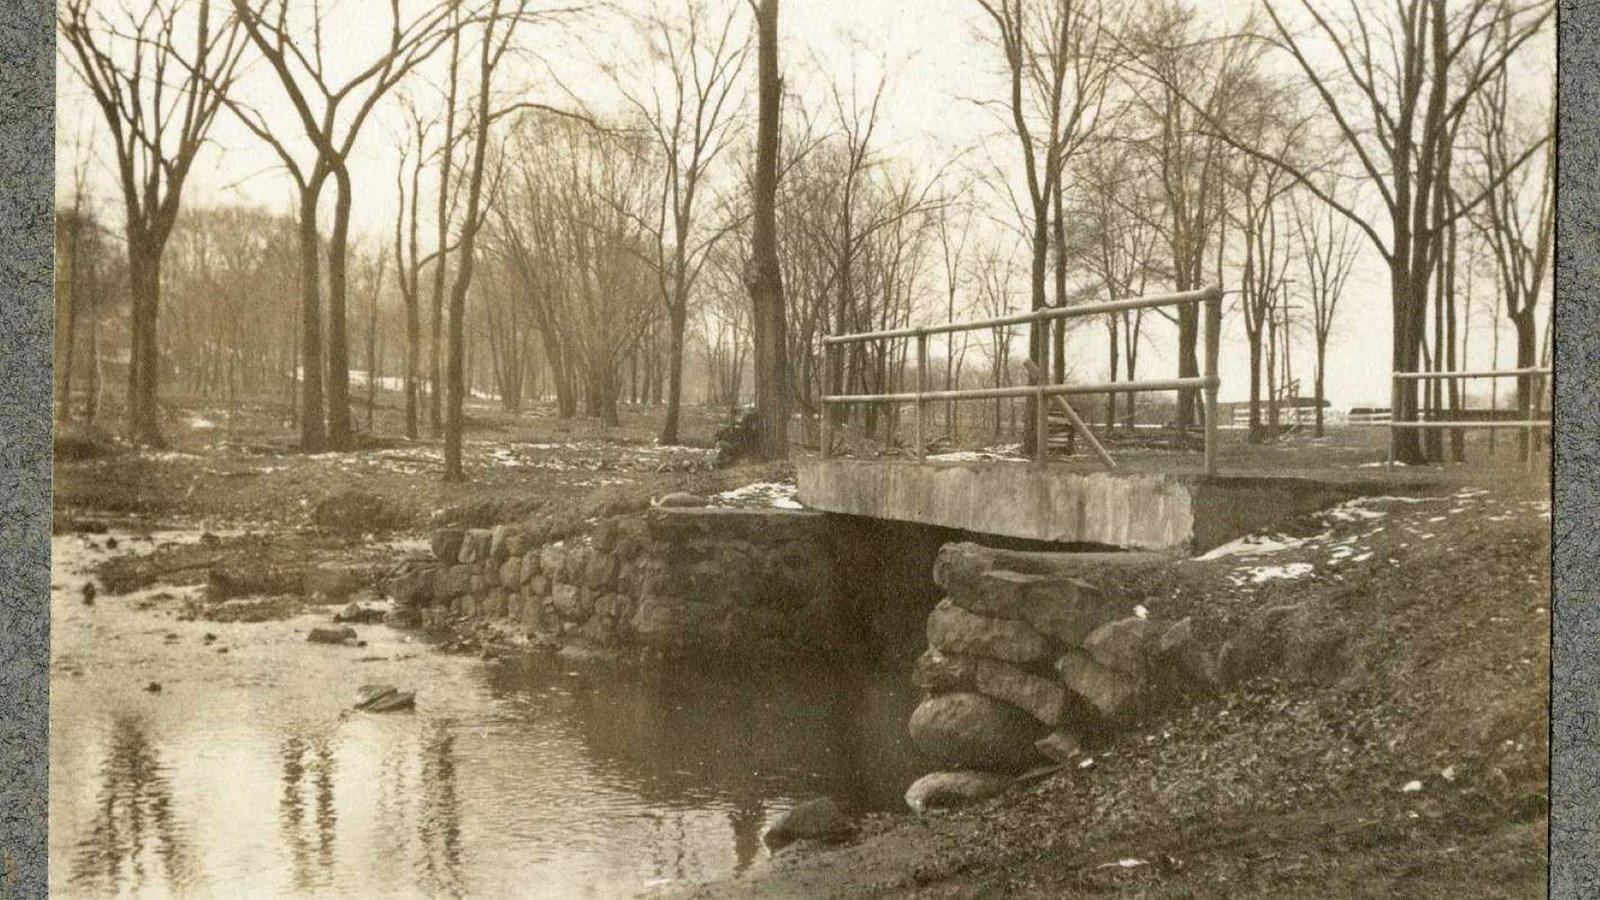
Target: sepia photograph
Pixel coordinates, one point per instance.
(801, 449)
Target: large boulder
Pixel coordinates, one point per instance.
(1041, 698)
(475, 546)
(1119, 645)
(954, 630)
(331, 582)
(959, 566)
(941, 673)
(970, 731)
(1059, 746)
(321, 634)
(452, 581)
(1109, 691)
(511, 573)
(569, 602)
(822, 819)
(446, 544)
(948, 790)
(1057, 606)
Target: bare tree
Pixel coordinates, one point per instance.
(1183, 77)
(1517, 218)
(159, 73)
(1406, 79)
(1059, 69)
(1328, 248)
(492, 50)
(764, 279)
(700, 55)
(298, 62)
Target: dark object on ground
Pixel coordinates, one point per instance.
(739, 439)
(88, 593)
(208, 637)
(683, 500)
(153, 687)
(384, 698)
(222, 649)
(340, 635)
(245, 609)
(356, 512)
(224, 582)
(111, 543)
(815, 820)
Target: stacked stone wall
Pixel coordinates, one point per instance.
(1023, 667)
(711, 584)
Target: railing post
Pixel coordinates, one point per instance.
(1213, 304)
(825, 427)
(922, 388)
(1394, 410)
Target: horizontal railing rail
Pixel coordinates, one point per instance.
(1041, 390)
(1527, 426)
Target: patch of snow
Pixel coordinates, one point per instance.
(201, 423)
(1253, 545)
(1261, 574)
(762, 493)
(1141, 612)
(1411, 787)
(972, 456)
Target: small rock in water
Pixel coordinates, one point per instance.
(360, 613)
(384, 698)
(818, 820)
(367, 694)
(324, 635)
(153, 687)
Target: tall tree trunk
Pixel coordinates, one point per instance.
(313, 437)
(765, 282)
(339, 434)
(677, 316)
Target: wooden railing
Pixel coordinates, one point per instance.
(1041, 390)
(1528, 426)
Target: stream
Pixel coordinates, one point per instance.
(246, 774)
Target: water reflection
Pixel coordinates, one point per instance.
(134, 818)
(439, 814)
(308, 775)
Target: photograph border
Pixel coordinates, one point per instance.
(27, 105)
(27, 264)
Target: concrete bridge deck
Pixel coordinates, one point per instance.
(1168, 509)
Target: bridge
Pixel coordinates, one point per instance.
(1169, 503)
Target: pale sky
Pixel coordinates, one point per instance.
(934, 65)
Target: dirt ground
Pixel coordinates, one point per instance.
(1395, 745)
(1398, 749)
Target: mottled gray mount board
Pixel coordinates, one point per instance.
(1575, 656)
(27, 227)
(27, 92)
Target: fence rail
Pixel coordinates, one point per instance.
(1527, 426)
(1042, 390)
